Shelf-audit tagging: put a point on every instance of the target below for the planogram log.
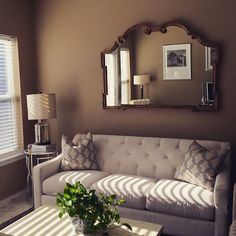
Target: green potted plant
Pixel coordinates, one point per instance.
(88, 211)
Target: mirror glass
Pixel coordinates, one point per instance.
(160, 69)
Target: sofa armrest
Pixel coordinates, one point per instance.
(232, 231)
(234, 204)
(221, 196)
(40, 173)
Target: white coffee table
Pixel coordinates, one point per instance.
(44, 221)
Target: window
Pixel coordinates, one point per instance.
(125, 76)
(118, 77)
(112, 80)
(11, 132)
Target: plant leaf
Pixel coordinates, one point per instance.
(127, 225)
(61, 213)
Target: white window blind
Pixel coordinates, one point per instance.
(11, 134)
(125, 76)
(112, 97)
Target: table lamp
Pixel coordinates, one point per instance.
(41, 107)
(141, 80)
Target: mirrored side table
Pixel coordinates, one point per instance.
(32, 159)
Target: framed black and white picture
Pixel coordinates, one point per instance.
(177, 62)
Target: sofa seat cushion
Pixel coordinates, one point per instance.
(129, 187)
(181, 199)
(56, 183)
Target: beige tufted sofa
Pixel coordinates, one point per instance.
(232, 231)
(141, 169)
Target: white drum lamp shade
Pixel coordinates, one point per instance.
(141, 79)
(41, 107)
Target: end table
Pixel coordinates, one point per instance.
(32, 159)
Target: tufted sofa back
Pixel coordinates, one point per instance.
(144, 156)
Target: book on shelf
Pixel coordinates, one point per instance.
(42, 148)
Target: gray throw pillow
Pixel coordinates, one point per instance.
(200, 166)
(79, 155)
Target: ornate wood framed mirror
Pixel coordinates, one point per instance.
(161, 66)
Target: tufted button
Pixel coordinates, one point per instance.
(147, 155)
(178, 145)
(158, 144)
(128, 153)
(165, 157)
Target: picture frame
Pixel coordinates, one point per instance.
(177, 62)
(209, 92)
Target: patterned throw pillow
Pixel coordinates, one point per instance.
(78, 138)
(201, 166)
(79, 155)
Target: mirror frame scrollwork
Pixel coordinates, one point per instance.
(163, 28)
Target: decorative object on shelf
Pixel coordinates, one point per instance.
(89, 212)
(145, 101)
(203, 99)
(41, 107)
(41, 148)
(141, 80)
(177, 62)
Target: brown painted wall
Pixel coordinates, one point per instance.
(16, 18)
(12, 178)
(72, 34)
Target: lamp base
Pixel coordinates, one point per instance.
(141, 91)
(41, 130)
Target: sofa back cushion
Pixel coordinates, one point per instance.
(144, 156)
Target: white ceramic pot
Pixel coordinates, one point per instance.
(77, 224)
